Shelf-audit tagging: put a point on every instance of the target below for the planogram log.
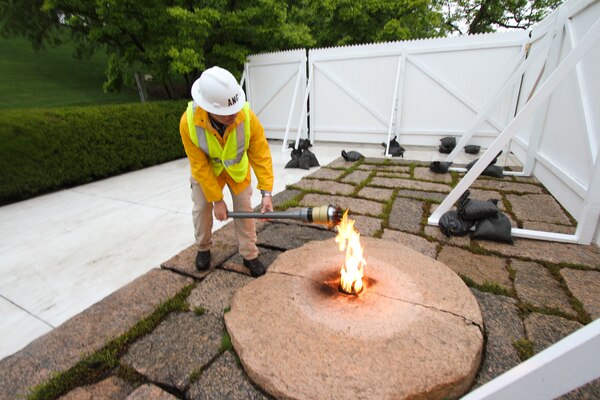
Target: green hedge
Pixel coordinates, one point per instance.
(43, 150)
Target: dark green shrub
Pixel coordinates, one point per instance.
(42, 150)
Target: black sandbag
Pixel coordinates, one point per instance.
(472, 149)
(295, 154)
(304, 160)
(474, 210)
(440, 167)
(352, 155)
(293, 163)
(470, 165)
(495, 171)
(497, 229)
(397, 152)
(395, 149)
(312, 157)
(447, 144)
(451, 224)
(304, 144)
(308, 159)
(491, 170)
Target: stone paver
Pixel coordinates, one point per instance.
(285, 237)
(366, 226)
(506, 186)
(356, 206)
(178, 346)
(481, 269)
(535, 285)
(285, 196)
(150, 392)
(525, 179)
(585, 286)
(215, 291)
(109, 388)
(394, 175)
(383, 195)
(325, 173)
(545, 330)
(426, 174)
(330, 187)
(589, 391)
(356, 177)
(415, 242)
(224, 379)
(547, 251)
(537, 207)
(87, 332)
(409, 184)
(422, 195)
(387, 169)
(406, 215)
(503, 328)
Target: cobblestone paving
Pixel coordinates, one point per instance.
(531, 293)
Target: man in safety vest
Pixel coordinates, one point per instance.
(223, 138)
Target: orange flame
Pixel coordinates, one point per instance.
(348, 239)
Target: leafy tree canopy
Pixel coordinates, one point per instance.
(163, 38)
(178, 38)
(482, 16)
(344, 22)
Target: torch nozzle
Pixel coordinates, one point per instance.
(324, 215)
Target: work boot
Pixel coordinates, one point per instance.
(255, 266)
(203, 260)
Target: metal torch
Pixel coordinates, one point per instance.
(324, 215)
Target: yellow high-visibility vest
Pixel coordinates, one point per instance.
(233, 157)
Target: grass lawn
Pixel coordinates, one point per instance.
(52, 78)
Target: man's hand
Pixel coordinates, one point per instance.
(266, 204)
(220, 210)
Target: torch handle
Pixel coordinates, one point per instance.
(325, 215)
(267, 215)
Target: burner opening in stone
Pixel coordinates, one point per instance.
(353, 290)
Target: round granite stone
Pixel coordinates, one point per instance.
(415, 331)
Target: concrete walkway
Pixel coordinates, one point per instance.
(531, 293)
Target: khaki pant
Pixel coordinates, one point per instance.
(245, 228)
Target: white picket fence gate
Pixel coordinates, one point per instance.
(535, 94)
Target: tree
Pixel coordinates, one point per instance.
(482, 16)
(345, 22)
(162, 38)
(250, 27)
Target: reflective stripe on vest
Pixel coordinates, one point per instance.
(236, 163)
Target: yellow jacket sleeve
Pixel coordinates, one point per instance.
(201, 169)
(259, 154)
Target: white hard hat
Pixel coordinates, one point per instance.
(218, 92)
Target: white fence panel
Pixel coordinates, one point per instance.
(352, 91)
(440, 87)
(563, 140)
(276, 87)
